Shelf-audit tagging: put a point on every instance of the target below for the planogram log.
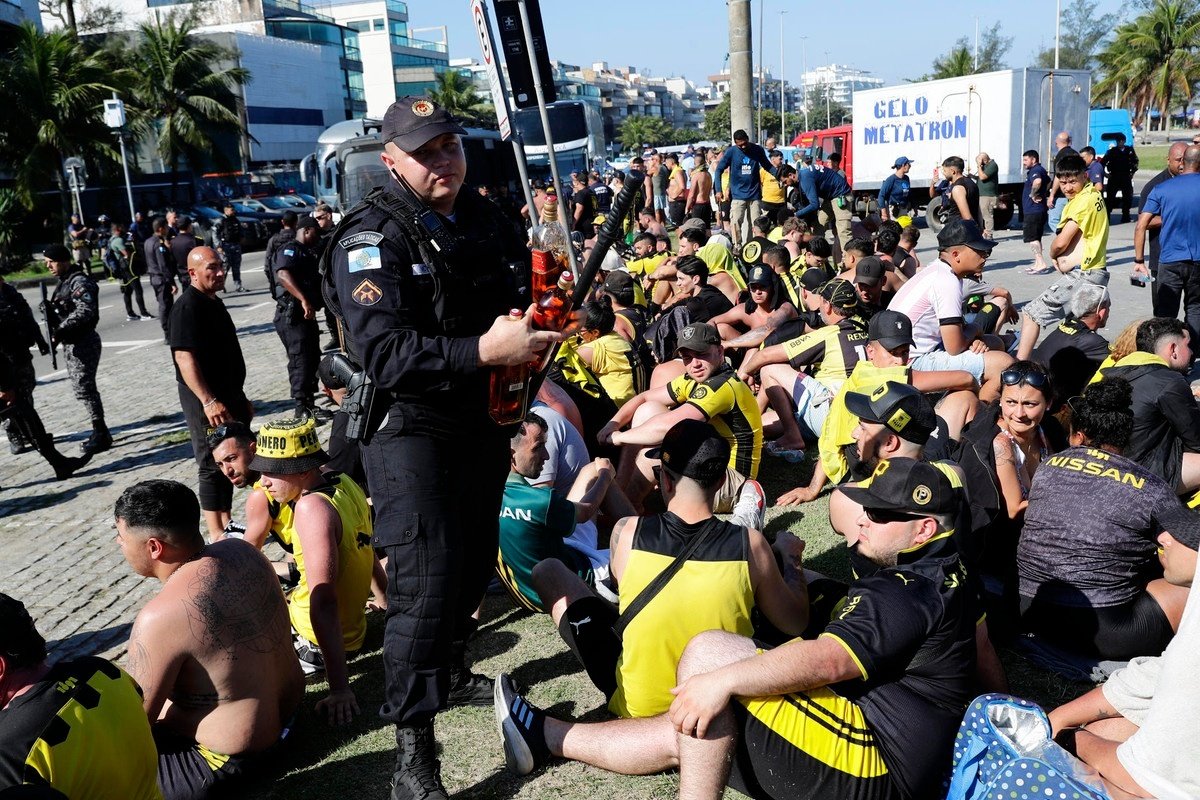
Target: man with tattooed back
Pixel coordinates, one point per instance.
(213, 651)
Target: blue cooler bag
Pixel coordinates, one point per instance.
(1003, 751)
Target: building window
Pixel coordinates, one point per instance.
(360, 25)
(380, 24)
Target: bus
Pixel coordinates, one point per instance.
(346, 164)
(578, 138)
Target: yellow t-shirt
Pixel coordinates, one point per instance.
(776, 234)
(729, 406)
(355, 558)
(612, 367)
(641, 267)
(772, 192)
(1088, 211)
(838, 430)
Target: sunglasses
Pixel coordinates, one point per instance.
(1032, 376)
(881, 516)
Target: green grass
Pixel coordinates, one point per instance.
(1153, 157)
(356, 761)
(34, 269)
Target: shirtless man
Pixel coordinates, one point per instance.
(213, 651)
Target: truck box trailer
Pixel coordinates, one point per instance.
(1001, 113)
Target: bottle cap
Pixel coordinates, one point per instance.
(515, 313)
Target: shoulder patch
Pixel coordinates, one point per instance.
(366, 294)
(289, 251)
(366, 237)
(364, 258)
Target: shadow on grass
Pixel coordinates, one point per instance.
(542, 670)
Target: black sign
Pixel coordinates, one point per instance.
(516, 55)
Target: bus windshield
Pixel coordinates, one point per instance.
(362, 171)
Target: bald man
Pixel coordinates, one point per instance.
(987, 177)
(210, 371)
(1154, 225)
(1057, 201)
(1176, 205)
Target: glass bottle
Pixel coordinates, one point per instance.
(550, 245)
(552, 312)
(508, 396)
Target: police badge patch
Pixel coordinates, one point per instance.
(422, 108)
(364, 258)
(366, 294)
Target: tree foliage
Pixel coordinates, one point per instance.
(960, 60)
(717, 120)
(1155, 59)
(456, 93)
(644, 130)
(822, 114)
(1083, 32)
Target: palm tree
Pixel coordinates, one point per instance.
(457, 95)
(52, 90)
(955, 64)
(180, 95)
(1155, 58)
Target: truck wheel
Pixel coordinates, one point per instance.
(935, 215)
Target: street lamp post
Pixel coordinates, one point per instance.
(804, 78)
(114, 117)
(760, 136)
(828, 115)
(782, 85)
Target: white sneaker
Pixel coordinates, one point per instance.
(751, 507)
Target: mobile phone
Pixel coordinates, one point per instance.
(1139, 280)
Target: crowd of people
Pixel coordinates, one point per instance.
(998, 469)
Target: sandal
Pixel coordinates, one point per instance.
(1045, 271)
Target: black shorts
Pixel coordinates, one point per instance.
(780, 738)
(1137, 628)
(702, 211)
(587, 628)
(189, 771)
(1034, 227)
(725, 206)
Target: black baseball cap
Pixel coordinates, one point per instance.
(890, 328)
(307, 222)
(697, 337)
(869, 271)
(906, 486)
(413, 120)
(20, 643)
(1182, 523)
(57, 252)
(762, 276)
(814, 278)
(693, 449)
(959, 231)
(619, 284)
(897, 406)
(840, 294)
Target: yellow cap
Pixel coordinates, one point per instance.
(288, 447)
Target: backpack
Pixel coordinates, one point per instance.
(1003, 750)
(976, 455)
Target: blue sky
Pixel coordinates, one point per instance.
(658, 37)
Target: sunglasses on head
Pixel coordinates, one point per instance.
(1028, 375)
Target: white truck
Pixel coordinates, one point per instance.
(1001, 113)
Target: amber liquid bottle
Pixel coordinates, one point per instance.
(550, 243)
(508, 397)
(551, 313)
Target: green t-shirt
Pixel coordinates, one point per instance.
(534, 521)
(988, 188)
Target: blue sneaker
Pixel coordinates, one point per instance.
(521, 728)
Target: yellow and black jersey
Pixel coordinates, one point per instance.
(355, 559)
(711, 591)
(282, 529)
(837, 432)
(82, 731)
(910, 630)
(834, 349)
(729, 406)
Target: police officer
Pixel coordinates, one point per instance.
(76, 309)
(420, 275)
(227, 236)
(18, 332)
(297, 290)
(162, 270)
(1120, 165)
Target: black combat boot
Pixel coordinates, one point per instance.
(418, 773)
(466, 688)
(64, 466)
(99, 441)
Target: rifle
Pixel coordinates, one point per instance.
(51, 320)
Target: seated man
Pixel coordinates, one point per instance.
(212, 651)
(703, 300)
(709, 390)
(1166, 421)
(889, 338)
(332, 545)
(723, 572)
(823, 718)
(1140, 725)
(800, 377)
(267, 519)
(75, 729)
(933, 300)
(1075, 349)
(537, 522)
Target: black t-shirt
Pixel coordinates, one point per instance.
(181, 245)
(586, 199)
(911, 630)
(1072, 352)
(972, 199)
(710, 302)
(202, 326)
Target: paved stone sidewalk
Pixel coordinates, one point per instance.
(57, 548)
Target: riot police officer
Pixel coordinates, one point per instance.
(162, 270)
(227, 236)
(296, 284)
(420, 275)
(75, 309)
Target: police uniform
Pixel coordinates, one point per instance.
(412, 315)
(76, 303)
(161, 268)
(19, 331)
(300, 336)
(227, 233)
